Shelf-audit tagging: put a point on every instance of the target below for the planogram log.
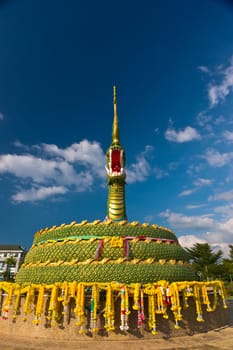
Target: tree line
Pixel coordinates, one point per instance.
(209, 264)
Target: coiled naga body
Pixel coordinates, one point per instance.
(116, 172)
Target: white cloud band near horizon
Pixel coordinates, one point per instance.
(201, 229)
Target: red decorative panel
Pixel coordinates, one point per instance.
(116, 160)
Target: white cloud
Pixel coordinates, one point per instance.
(186, 135)
(226, 196)
(140, 170)
(160, 173)
(37, 194)
(1, 116)
(203, 119)
(28, 166)
(19, 144)
(173, 165)
(198, 183)
(226, 227)
(194, 169)
(203, 69)
(43, 171)
(225, 210)
(217, 159)
(218, 92)
(219, 120)
(180, 221)
(84, 152)
(194, 206)
(74, 167)
(203, 182)
(224, 247)
(228, 135)
(47, 168)
(207, 123)
(218, 234)
(54, 172)
(188, 241)
(186, 192)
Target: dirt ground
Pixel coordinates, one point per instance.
(217, 339)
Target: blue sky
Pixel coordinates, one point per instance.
(172, 62)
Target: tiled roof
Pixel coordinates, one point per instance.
(11, 247)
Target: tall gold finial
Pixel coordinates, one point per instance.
(114, 94)
(115, 127)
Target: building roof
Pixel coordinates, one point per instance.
(11, 247)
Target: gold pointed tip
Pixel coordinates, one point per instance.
(114, 93)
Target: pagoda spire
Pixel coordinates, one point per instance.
(115, 168)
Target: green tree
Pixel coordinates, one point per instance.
(9, 262)
(227, 266)
(231, 252)
(206, 263)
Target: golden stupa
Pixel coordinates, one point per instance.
(111, 250)
(108, 265)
